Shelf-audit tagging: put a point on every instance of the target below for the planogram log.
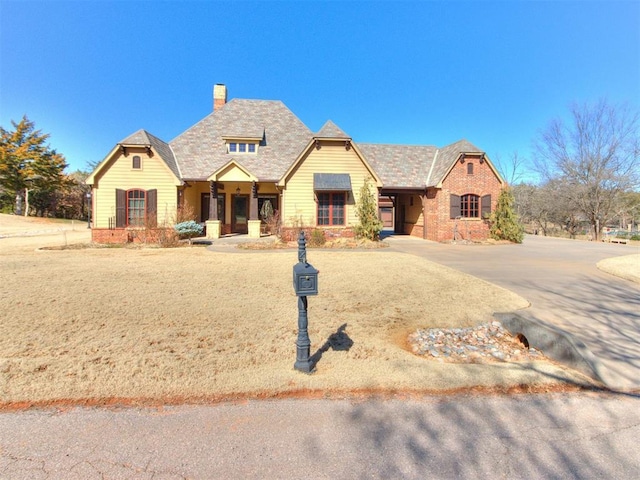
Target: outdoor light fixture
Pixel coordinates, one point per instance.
(238, 191)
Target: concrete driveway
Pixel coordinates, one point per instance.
(560, 279)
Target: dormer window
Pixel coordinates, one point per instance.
(242, 147)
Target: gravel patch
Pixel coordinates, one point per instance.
(487, 342)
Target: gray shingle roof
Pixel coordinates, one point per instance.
(408, 166)
(446, 156)
(201, 149)
(331, 130)
(400, 166)
(144, 138)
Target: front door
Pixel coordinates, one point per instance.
(239, 213)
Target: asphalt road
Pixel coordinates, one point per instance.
(587, 435)
(560, 279)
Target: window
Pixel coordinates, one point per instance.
(135, 208)
(137, 163)
(466, 206)
(469, 168)
(242, 147)
(469, 206)
(331, 208)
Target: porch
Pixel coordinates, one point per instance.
(232, 208)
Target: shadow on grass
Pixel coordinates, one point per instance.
(338, 341)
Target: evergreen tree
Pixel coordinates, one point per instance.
(370, 225)
(505, 224)
(27, 162)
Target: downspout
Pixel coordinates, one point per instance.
(424, 214)
(424, 201)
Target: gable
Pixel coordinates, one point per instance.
(330, 156)
(119, 169)
(482, 172)
(232, 172)
(135, 144)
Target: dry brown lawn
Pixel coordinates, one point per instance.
(189, 324)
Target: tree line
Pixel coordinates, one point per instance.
(589, 170)
(32, 176)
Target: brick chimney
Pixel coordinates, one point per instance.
(219, 96)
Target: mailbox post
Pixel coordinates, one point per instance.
(305, 282)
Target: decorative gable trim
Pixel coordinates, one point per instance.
(317, 144)
(461, 158)
(121, 149)
(229, 167)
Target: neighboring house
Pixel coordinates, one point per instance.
(249, 152)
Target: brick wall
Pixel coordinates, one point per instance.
(482, 182)
(289, 234)
(107, 235)
(128, 235)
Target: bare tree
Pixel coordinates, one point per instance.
(595, 156)
(512, 169)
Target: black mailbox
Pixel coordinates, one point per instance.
(305, 279)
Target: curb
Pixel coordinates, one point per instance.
(555, 343)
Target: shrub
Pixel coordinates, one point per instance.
(505, 224)
(635, 237)
(188, 229)
(370, 225)
(317, 238)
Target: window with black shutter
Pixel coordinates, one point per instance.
(152, 207)
(121, 208)
(486, 206)
(454, 206)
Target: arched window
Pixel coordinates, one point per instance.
(469, 168)
(137, 163)
(469, 206)
(136, 208)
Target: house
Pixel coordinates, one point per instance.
(247, 153)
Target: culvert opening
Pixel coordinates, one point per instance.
(523, 340)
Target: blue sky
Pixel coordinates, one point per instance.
(495, 73)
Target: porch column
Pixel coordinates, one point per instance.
(213, 224)
(254, 220)
(253, 208)
(213, 201)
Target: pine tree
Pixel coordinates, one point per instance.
(505, 224)
(26, 161)
(370, 225)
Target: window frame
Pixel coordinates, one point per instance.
(470, 206)
(133, 162)
(242, 148)
(333, 208)
(140, 207)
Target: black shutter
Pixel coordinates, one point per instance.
(152, 207)
(454, 206)
(486, 206)
(121, 208)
